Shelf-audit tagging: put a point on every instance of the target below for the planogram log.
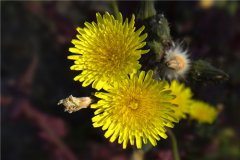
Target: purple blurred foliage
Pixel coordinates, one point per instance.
(51, 129)
(165, 155)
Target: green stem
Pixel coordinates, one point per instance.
(147, 9)
(115, 7)
(174, 145)
(137, 155)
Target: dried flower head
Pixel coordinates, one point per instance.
(107, 51)
(135, 110)
(183, 99)
(203, 112)
(176, 63)
(73, 104)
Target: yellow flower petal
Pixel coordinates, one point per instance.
(203, 112)
(182, 100)
(133, 111)
(109, 49)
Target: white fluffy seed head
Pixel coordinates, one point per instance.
(177, 63)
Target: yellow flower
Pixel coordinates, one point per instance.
(138, 109)
(183, 99)
(206, 4)
(107, 51)
(203, 112)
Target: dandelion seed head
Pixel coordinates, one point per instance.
(176, 63)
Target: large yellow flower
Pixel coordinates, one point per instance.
(107, 51)
(203, 112)
(135, 110)
(183, 99)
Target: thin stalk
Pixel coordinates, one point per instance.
(174, 145)
(147, 9)
(137, 155)
(115, 8)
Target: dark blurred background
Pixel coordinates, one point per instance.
(35, 74)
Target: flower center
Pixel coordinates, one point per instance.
(133, 104)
